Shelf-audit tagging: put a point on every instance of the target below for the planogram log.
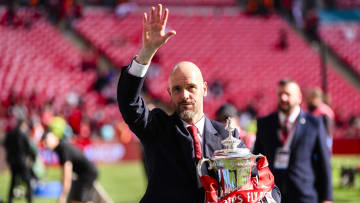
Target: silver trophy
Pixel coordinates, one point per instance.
(232, 164)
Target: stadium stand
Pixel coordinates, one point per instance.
(188, 2)
(34, 57)
(111, 36)
(343, 38)
(42, 73)
(238, 52)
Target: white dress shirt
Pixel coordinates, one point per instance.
(137, 69)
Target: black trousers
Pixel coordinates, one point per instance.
(81, 190)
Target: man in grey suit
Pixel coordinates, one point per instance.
(173, 144)
(294, 142)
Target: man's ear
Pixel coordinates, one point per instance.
(205, 88)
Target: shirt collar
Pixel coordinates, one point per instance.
(292, 117)
(199, 125)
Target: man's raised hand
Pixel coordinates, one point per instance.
(153, 36)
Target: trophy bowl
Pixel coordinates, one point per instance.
(231, 164)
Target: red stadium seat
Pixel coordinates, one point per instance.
(42, 60)
(343, 38)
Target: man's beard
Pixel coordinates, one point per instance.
(284, 109)
(187, 114)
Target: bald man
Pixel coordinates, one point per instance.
(173, 144)
(294, 142)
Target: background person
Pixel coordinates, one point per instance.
(294, 142)
(317, 106)
(74, 189)
(20, 155)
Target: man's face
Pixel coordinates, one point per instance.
(187, 90)
(289, 96)
(313, 99)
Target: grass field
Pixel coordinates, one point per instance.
(345, 195)
(125, 182)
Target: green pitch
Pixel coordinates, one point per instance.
(345, 195)
(125, 182)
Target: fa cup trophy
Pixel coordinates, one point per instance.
(234, 181)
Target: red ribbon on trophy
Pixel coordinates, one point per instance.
(255, 190)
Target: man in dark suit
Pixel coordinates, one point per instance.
(20, 155)
(295, 144)
(173, 144)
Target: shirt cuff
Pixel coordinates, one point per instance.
(137, 69)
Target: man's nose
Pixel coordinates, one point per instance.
(284, 97)
(185, 94)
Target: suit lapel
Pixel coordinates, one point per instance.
(276, 129)
(185, 141)
(299, 130)
(211, 140)
(211, 143)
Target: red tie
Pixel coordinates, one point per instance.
(197, 146)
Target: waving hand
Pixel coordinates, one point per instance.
(153, 36)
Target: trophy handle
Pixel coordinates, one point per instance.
(259, 156)
(201, 162)
(256, 158)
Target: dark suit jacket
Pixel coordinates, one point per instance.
(308, 177)
(168, 146)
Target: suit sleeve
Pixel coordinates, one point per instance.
(322, 165)
(131, 104)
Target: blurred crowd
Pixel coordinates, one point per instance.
(72, 119)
